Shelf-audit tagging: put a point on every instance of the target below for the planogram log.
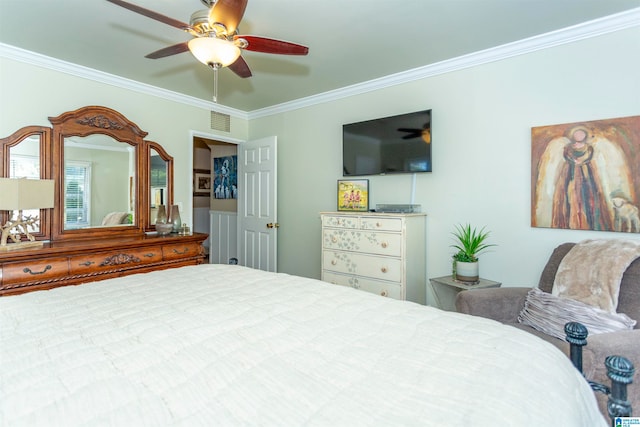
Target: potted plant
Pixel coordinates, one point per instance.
(470, 243)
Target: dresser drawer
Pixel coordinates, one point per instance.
(340, 221)
(363, 241)
(381, 224)
(35, 270)
(92, 263)
(178, 250)
(385, 289)
(363, 265)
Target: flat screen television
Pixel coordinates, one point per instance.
(397, 144)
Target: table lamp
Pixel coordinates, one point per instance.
(18, 194)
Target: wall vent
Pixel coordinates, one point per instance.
(220, 121)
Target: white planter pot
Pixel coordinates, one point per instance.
(467, 271)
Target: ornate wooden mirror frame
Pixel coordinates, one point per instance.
(43, 134)
(154, 149)
(85, 122)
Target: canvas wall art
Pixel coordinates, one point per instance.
(353, 195)
(586, 175)
(225, 178)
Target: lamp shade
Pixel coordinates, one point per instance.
(22, 194)
(213, 51)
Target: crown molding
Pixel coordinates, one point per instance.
(597, 27)
(589, 29)
(43, 61)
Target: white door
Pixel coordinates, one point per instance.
(257, 219)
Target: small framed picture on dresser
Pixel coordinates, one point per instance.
(353, 195)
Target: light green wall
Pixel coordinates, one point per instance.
(30, 94)
(482, 117)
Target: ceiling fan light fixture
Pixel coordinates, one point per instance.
(426, 136)
(214, 52)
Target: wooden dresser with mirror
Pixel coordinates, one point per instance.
(109, 182)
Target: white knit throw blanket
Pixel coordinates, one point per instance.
(592, 270)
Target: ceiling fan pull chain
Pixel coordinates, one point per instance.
(215, 85)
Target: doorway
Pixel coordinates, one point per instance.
(242, 221)
(216, 213)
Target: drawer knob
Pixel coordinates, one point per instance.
(149, 255)
(334, 262)
(384, 293)
(28, 270)
(383, 269)
(378, 224)
(184, 251)
(87, 263)
(334, 239)
(384, 244)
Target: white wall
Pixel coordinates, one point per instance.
(30, 94)
(482, 118)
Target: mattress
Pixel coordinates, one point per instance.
(231, 346)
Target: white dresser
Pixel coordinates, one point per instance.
(381, 253)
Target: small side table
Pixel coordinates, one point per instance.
(451, 287)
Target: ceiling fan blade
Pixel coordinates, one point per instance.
(241, 68)
(265, 45)
(151, 14)
(228, 12)
(168, 51)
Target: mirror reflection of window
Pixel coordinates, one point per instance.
(158, 172)
(158, 183)
(77, 196)
(24, 162)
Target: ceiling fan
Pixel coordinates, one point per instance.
(424, 132)
(216, 42)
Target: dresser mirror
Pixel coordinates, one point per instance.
(25, 154)
(108, 184)
(99, 182)
(109, 181)
(160, 169)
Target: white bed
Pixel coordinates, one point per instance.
(227, 345)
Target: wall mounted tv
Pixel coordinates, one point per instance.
(397, 144)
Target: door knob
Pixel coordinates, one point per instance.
(272, 225)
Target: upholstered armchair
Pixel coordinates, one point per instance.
(504, 305)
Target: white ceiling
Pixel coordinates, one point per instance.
(350, 41)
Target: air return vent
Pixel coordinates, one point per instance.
(220, 121)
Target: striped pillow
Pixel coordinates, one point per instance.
(548, 313)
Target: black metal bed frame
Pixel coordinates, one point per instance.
(619, 369)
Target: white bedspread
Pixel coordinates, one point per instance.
(219, 345)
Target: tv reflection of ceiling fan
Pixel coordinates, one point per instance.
(216, 42)
(424, 132)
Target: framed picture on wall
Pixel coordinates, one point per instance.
(353, 195)
(225, 177)
(201, 183)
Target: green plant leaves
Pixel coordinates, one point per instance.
(471, 242)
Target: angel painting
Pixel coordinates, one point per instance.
(585, 175)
